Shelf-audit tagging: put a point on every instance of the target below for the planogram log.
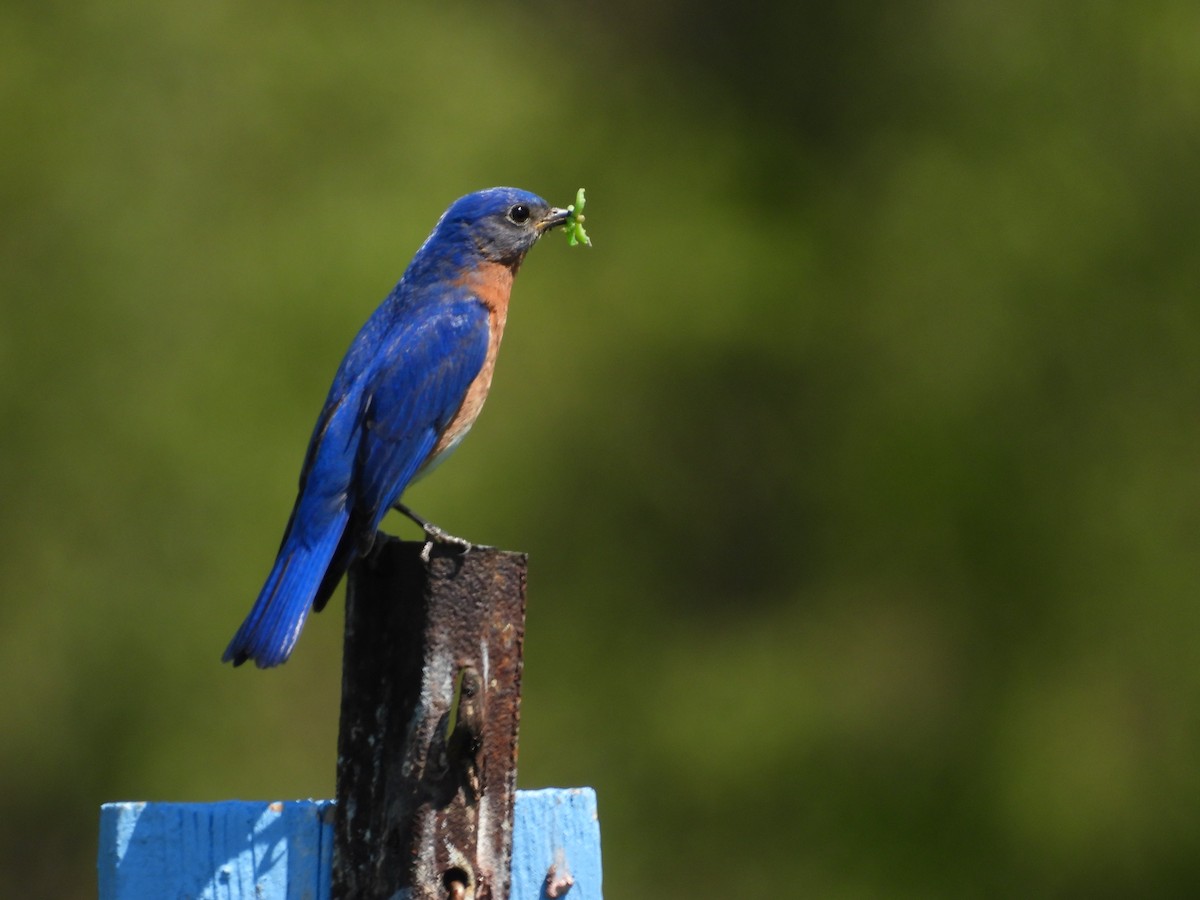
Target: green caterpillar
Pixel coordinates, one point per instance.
(574, 226)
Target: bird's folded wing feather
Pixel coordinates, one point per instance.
(429, 364)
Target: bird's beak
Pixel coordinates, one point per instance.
(554, 218)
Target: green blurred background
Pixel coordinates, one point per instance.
(858, 462)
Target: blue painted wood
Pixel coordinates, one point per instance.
(216, 851)
(238, 850)
(560, 828)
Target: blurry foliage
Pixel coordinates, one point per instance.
(859, 461)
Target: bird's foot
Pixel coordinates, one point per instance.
(436, 535)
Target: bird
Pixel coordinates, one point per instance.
(405, 395)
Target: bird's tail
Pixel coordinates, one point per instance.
(278, 615)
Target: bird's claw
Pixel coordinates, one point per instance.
(435, 535)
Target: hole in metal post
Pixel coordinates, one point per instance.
(456, 700)
(456, 881)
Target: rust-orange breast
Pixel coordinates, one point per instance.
(492, 284)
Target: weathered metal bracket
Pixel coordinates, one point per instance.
(427, 745)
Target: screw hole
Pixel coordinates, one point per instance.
(456, 880)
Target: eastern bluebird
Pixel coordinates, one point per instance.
(406, 393)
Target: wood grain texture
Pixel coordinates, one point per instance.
(257, 850)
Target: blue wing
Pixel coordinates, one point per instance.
(398, 388)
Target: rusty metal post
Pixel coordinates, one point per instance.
(427, 745)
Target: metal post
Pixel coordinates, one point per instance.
(427, 744)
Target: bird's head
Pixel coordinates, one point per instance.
(501, 224)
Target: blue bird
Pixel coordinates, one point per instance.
(404, 396)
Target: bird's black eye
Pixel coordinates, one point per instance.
(519, 214)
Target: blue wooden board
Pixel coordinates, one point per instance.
(239, 850)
